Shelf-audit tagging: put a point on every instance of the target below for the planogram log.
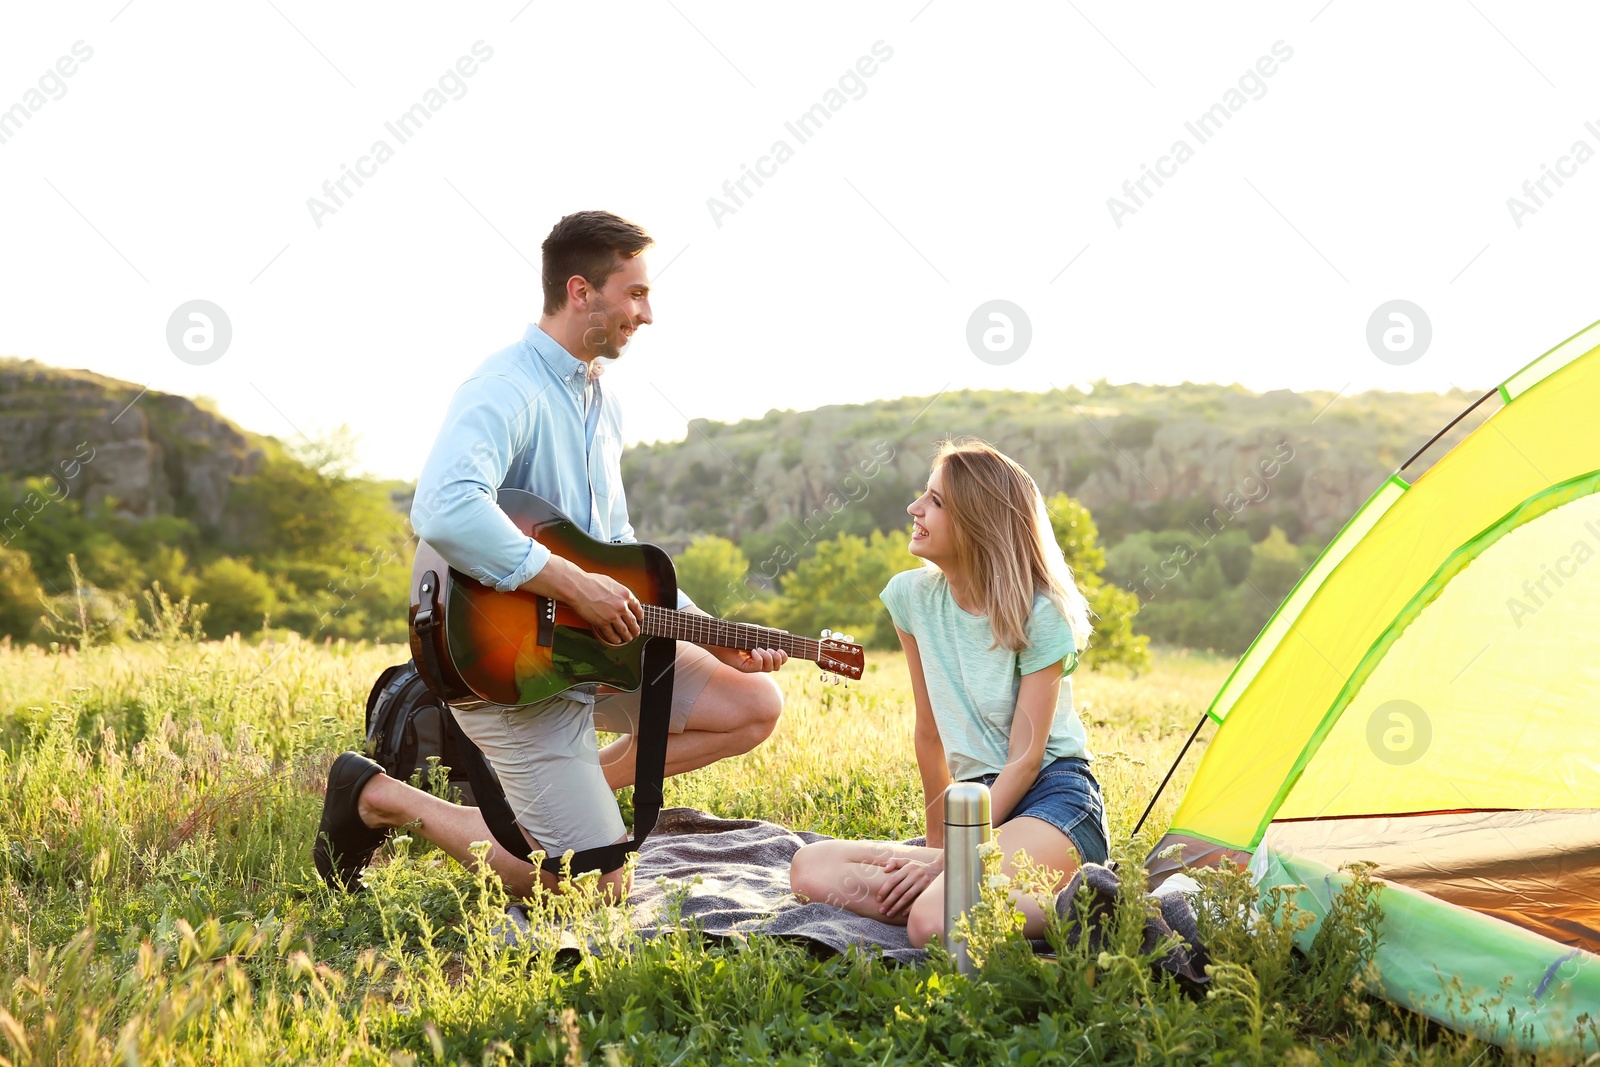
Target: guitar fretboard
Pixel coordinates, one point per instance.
(704, 630)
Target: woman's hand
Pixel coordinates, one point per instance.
(906, 880)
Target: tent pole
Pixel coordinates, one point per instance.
(1452, 425)
(1181, 753)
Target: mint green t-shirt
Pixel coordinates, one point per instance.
(973, 686)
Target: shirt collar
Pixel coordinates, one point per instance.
(563, 363)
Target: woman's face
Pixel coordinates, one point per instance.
(932, 532)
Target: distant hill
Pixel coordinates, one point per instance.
(1137, 455)
(155, 453)
(1141, 457)
(139, 486)
(131, 486)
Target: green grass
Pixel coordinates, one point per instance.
(159, 905)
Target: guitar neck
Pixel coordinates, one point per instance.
(704, 630)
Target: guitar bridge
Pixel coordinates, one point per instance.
(546, 637)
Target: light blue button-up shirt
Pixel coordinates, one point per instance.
(521, 421)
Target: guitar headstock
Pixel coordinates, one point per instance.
(839, 655)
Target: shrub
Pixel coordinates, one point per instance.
(85, 614)
(236, 596)
(19, 594)
(1114, 609)
(838, 585)
(712, 571)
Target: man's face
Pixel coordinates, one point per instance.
(617, 309)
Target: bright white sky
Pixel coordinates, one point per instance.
(976, 166)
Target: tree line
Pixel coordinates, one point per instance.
(794, 520)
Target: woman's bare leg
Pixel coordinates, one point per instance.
(848, 874)
(1042, 842)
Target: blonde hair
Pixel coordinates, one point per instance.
(1004, 542)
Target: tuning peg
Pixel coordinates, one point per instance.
(847, 639)
(826, 633)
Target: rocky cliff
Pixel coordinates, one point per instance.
(104, 440)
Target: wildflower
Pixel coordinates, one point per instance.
(998, 881)
(989, 848)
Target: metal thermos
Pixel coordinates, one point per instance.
(966, 826)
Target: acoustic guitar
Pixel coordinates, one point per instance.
(474, 645)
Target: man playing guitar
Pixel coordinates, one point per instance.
(534, 417)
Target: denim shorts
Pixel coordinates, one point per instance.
(1066, 796)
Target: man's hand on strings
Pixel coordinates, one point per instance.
(752, 660)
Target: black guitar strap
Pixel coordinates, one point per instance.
(650, 754)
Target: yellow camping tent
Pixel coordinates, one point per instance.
(1428, 699)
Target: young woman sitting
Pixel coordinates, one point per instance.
(991, 626)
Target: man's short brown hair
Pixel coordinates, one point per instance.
(590, 244)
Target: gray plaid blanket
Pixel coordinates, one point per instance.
(732, 876)
(733, 879)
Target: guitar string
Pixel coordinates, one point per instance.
(704, 629)
(713, 631)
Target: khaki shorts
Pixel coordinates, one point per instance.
(548, 760)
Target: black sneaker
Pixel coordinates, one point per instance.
(344, 843)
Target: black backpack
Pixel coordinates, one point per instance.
(407, 730)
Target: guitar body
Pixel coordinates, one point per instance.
(518, 648)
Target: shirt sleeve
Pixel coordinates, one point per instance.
(1049, 640)
(896, 596)
(488, 423)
